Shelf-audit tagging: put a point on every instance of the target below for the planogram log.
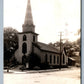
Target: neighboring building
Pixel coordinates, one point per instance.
(28, 43)
(71, 61)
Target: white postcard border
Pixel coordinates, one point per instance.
(1, 41)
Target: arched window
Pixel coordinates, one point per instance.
(50, 58)
(57, 59)
(46, 56)
(24, 38)
(63, 59)
(24, 48)
(54, 59)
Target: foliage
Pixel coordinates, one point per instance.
(70, 47)
(10, 42)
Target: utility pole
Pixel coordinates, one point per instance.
(60, 49)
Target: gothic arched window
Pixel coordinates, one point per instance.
(24, 48)
(57, 59)
(54, 59)
(63, 59)
(50, 58)
(46, 56)
(24, 38)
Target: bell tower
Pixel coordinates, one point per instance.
(27, 36)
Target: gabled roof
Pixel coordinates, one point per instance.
(46, 47)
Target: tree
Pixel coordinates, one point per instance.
(10, 42)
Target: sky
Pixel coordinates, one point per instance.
(49, 16)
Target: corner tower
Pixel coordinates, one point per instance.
(27, 36)
(28, 25)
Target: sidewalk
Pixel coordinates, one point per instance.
(31, 71)
(17, 70)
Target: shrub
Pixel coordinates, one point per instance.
(34, 60)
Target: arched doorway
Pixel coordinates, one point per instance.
(24, 60)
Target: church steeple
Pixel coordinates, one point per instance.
(28, 22)
(28, 17)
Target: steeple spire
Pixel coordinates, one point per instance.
(28, 22)
(28, 17)
(28, 1)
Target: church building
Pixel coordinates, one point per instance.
(28, 43)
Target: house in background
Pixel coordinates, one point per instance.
(28, 43)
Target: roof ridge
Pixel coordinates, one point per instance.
(47, 45)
